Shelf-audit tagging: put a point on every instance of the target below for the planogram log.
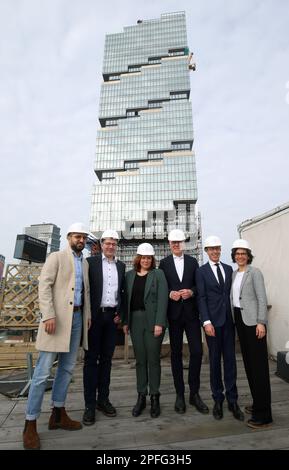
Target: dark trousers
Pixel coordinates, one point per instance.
(97, 360)
(255, 358)
(192, 328)
(223, 344)
(147, 349)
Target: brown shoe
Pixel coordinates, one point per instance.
(249, 409)
(31, 439)
(60, 420)
(256, 424)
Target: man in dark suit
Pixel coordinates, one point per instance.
(183, 316)
(213, 285)
(106, 278)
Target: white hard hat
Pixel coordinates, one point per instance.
(176, 235)
(92, 238)
(241, 243)
(145, 249)
(212, 241)
(110, 234)
(77, 227)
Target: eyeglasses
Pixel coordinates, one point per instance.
(241, 254)
(110, 244)
(80, 237)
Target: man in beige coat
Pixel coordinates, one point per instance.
(65, 317)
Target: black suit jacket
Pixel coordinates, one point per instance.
(96, 283)
(213, 302)
(188, 282)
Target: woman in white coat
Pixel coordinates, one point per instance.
(249, 305)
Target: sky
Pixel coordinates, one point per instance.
(51, 54)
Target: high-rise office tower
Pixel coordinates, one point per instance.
(145, 166)
(2, 264)
(48, 233)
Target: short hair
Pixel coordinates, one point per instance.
(250, 256)
(136, 263)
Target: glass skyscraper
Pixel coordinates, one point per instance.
(145, 165)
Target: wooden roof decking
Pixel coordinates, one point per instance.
(191, 431)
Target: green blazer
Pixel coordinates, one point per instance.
(155, 298)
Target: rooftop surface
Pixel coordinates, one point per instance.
(191, 431)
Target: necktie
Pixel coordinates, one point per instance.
(220, 276)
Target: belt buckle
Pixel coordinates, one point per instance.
(107, 309)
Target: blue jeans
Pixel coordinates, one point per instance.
(66, 363)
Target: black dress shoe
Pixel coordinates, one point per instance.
(107, 408)
(196, 401)
(218, 410)
(257, 424)
(235, 409)
(88, 416)
(180, 404)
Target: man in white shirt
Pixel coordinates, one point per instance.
(183, 316)
(106, 278)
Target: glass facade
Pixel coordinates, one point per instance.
(145, 165)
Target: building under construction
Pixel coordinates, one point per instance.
(146, 180)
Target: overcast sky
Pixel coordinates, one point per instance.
(51, 55)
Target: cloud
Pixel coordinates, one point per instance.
(50, 75)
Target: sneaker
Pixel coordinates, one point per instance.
(249, 409)
(107, 408)
(88, 416)
(256, 424)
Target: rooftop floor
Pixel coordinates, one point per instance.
(170, 431)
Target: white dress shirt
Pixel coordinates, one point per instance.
(110, 283)
(237, 288)
(214, 269)
(179, 265)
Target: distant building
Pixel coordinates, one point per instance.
(48, 233)
(2, 263)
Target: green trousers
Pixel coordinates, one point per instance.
(147, 349)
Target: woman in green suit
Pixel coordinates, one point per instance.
(145, 317)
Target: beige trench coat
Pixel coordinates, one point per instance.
(56, 298)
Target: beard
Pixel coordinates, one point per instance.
(77, 247)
